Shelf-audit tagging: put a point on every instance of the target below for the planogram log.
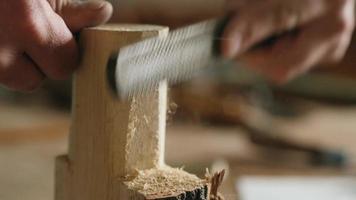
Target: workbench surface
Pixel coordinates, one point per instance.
(31, 137)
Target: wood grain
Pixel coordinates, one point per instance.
(109, 139)
(116, 148)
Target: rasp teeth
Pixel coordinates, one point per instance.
(142, 66)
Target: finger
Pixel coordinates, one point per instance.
(17, 72)
(308, 49)
(256, 22)
(50, 43)
(347, 15)
(272, 62)
(78, 15)
(338, 50)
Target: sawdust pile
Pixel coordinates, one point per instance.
(164, 182)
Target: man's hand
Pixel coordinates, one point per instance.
(323, 30)
(36, 38)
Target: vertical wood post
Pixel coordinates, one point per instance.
(116, 148)
(109, 139)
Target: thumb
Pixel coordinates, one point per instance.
(78, 15)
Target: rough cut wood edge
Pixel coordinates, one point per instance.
(200, 193)
(110, 140)
(168, 183)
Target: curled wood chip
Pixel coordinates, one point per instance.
(215, 180)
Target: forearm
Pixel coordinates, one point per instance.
(166, 12)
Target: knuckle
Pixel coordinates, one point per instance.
(37, 28)
(30, 26)
(34, 31)
(48, 31)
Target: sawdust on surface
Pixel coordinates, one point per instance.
(143, 149)
(164, 182)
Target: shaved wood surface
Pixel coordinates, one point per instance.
(109, 139)
(112, 142)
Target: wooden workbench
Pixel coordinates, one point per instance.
(31, 136)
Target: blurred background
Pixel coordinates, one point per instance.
(293, 141)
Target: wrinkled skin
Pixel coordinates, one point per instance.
(324, 31)
(36, 39)
(36, 36)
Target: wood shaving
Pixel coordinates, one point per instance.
(165, 182)
(215, 181)
(171, 111)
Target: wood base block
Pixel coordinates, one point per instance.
(165, 183)
(169, 184)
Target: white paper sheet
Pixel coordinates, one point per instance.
(296, 188)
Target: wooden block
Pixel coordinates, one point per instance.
(112, 142)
